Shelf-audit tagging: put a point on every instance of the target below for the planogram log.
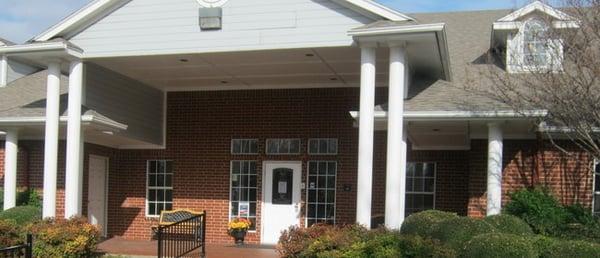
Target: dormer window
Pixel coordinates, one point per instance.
(536, 52)
(525, 37)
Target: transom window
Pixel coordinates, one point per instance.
(244, 146)
(321, 192)
(243, 190)
(283, 146)
(596, 201)
(159, 194)
(325, 146)
(535, 44)
(420, 187)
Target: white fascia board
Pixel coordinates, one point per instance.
(378, 9)
(516, 25)
(458, 115)
(61, 49)
(89, 119)
(77, 17)
(536, 6)
(402, 29)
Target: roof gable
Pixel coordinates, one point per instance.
(98, 8)
(533, 7)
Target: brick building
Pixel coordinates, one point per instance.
(288, 113)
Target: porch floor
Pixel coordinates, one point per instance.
(144, 248)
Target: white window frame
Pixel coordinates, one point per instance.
(230, 216)
(515, 52)
(317, 188)
(318, 142)
(244, 139)
(283, 154)
(595, 192)
(434, 193)
(147, 202)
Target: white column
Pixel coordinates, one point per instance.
(365, 137)
(3, 70)
(395, 184)
(11, 149)
(51, 140)
(494, 175)
(74, 173)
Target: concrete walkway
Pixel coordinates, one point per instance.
(141, 248)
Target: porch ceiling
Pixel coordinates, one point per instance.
(289, 68)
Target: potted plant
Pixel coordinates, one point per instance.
(238, 228)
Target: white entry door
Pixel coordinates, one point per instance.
(281, 198)
(97, 191)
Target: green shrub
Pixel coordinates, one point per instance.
(422, 223)
(543, 243)
(539, 209)
(576, 231)
(578, 214)
(498, 245)
(9, 233)
(64, 238)
(356, 241)
(22, 215)
(579, 249)
(509, 224)
(24, 198)
(458, 231)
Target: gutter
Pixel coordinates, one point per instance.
(458, 115)
(400, 29)
(39, 120)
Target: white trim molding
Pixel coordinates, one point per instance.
(459, 115)
(536, 6)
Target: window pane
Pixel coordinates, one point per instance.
(169, 167)
(283, 182)
(312, 168)
(313, 146)
(429, 185)
(597, 203)
(252, 209)
(332, 168)
(234, 208)
(322, 168)
(152, 180)
(252, 181)
(235, 167)
(152, 168)
(151, 209)
(295, 146)
(152, 195)
(333, 146)
(323, 145)
(597, 184)
(169, 180)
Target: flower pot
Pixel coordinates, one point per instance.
(239, 236)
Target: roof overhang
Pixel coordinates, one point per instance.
(86, 120)
(416, 35)
(43, 52)
(459, 115)
(90, 13)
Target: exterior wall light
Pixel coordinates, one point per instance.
(211, 18)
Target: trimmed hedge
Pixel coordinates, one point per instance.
(499, 245)
(64, 238)
(509, 224)
(422, 223)
(356, 241)
(571, 249)
(458, 231)
(22, 215)
(9, 233)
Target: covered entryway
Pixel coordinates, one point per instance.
(281, 198)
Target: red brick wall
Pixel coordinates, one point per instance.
(202, 124)
(528, 163)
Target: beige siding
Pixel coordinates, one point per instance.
(126, 101)
(158, 26)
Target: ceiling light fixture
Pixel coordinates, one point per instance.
(310, 55)
(183, 60)
(224, 82)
